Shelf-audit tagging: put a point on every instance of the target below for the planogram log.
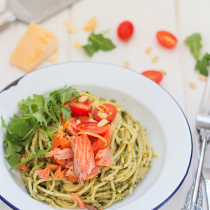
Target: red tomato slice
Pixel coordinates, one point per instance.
(153, 75)
(125, 30)
(111, 114)
(92, 128)
(166, 39)
(80, 109)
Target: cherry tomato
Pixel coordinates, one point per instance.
(111, 114)
(125, 30)
(153, 75)
(92, 128)
(166, 39)
(80, 109)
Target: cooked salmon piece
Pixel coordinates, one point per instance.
(61, 163)
(84, 160)
(89, 207)
(61, 154)
(53, 167)
(60, 141)
(44, 174)
(94, 172)
(70, 176)
(70, 164)
(57, 173)
(78, 199)
(23, 167)
(71, 127)
(103, 157)
(99, 144)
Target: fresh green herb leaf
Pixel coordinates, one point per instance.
(202, 65)
(90, 49)
(66, 111)
(98, 42)
(193, 42)
(40, 100)
(40, 116)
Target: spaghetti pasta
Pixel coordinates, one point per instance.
(131, 159)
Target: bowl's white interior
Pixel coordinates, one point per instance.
(168, 131)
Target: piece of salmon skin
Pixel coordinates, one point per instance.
(84, 160)
(103, 157)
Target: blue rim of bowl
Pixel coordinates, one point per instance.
(174, 192)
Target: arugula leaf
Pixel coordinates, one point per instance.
(98, 42)
(28, 105)
(90, 49)
(12, 152)
(40, 100)
(20, 128)
(202, 65)
(25, 160)
(193, 42)
(66, 111)
(40, 117)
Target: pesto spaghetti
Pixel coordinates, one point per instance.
(131, 156)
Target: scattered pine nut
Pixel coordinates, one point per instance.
(155, 154)
(202, 77)
(192, 85)
(155, 59)
(90, 25)
(102, 115)
(148, 50)
(162, 72)
(53, 60)
(92, 120)
(102, 123)
(78, 122)
(126, 64)
(69, 27)
(82, 99)
(77, 45)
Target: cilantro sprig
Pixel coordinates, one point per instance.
(202, 61)
(37, 111)
(98, 42)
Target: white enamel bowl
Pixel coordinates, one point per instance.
(169, 132)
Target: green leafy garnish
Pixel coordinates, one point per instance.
(202, 62)
(39, 111)
(98, 42)
(193, 42)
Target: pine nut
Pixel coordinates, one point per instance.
(148, 50)
(78, 122)
(162, 72)
(82, 99)
(202, 77)
(192, 85)
(92, 120)
(102, 115)
(155, 59)
(102, 123)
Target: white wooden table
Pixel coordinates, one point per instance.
(181, 17)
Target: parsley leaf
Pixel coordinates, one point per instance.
(98, 42)
(193, 42)
(202, 65)
(66, 111)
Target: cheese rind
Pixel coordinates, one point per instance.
(36, 46)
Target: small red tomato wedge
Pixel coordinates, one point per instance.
(156, 76)
(166, 39)
(125, 30)
(111, 113)
(92, 128)
(80, 109)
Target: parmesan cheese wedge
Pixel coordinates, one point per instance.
(91, 25)
(36, 46)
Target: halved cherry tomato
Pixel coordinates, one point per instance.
(92, 128)
(125, 30)
(111, 114)
(166, 39)
(80, 109)
(153, 75)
